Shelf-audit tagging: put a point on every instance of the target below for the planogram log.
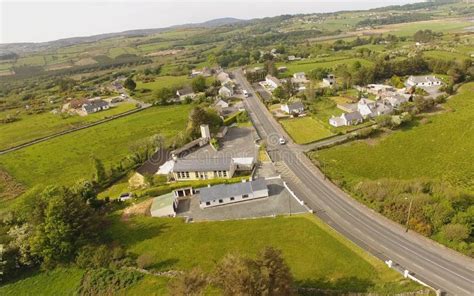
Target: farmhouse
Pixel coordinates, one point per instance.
(379, 88)
(366, 107)
(203, 169)
(95, 105)
(226, 91)
(231, 193)
(272, 81)
(395, 99)
(185, 92)
(346, 119)
(293, 108)
(329, 81)
(423, 81)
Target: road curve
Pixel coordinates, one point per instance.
(430, 262)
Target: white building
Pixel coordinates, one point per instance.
(379, 88)
(330, 80)
(222, 104)
(272, 81)
(292, 108)
(346, 119)
(366, 107)
(299, 77)
(231, 193)
(423, 81)
(395, 99)
(226, 91)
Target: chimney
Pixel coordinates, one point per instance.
(205, 133)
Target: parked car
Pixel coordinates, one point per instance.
(282, 141)
(125, 196)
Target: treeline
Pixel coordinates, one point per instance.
(394, 19)
(438, 210)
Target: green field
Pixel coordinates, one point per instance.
(61, 281)
(445, 55)
(445, 25)
(65, 159)
(316, 254)
(35, 126)
(171, 82)
(440, 147)
(305, 129)
(308, 65)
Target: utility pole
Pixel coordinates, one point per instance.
(409, 212)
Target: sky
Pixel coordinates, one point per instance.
(39, 20)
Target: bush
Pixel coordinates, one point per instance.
(455, 232)
(106, 281)
(145, 260)
(242, 117)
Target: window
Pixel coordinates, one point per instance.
(221, 201)
(187, 174)
(232, 198)
(208, 203)
(224, 173)
(245, 196)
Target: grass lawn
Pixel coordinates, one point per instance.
(440, 148)
(445, 55)
(65, 159)
(305, 129)
(315, 253)
(161, 82)
(60, 281)
(35, 126)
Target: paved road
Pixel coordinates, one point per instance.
(434, 264)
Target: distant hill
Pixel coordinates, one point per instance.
(18, 48)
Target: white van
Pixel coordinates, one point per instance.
(245, 92)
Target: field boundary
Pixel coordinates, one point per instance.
(75, 129)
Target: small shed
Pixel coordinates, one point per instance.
(164, 205)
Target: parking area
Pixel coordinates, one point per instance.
(279, 202)
(238, 142)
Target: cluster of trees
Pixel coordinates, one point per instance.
(51, 226)
(394, 19)
(426, 36)
(438, 210)
(268, 274)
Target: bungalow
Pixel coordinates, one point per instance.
(346, 119)
(293, 108)
(299, 77)
(423, 81)
(185, 92)
(329, 81)
(379, 88)
(203, 169)
(226, 91)
(150, 167)
(223, 77)
(222, 104)
(95, 105)
(231, 193)
(272, 81)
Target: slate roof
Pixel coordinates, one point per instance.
(152, 165)
(353, 116)
(202, 165)
(295, 106)
(230, 190)
(94, 104)
(185, 91)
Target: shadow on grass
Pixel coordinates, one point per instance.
(129, 233)
(324, 286)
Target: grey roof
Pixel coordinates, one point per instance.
(93, 104)
(202, 165)
(353, 116)
(153, 163)
(295, 106)
(422, 79)
(187, 90)
(230, 190)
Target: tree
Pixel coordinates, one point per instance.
(199, 84)
(191, 283)
(163, 94)
(266, 275)
(100, 175)
(145, 260)
(129, 84)
(279, 93)
(59, 225)
(455, 232)
(200, 116)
